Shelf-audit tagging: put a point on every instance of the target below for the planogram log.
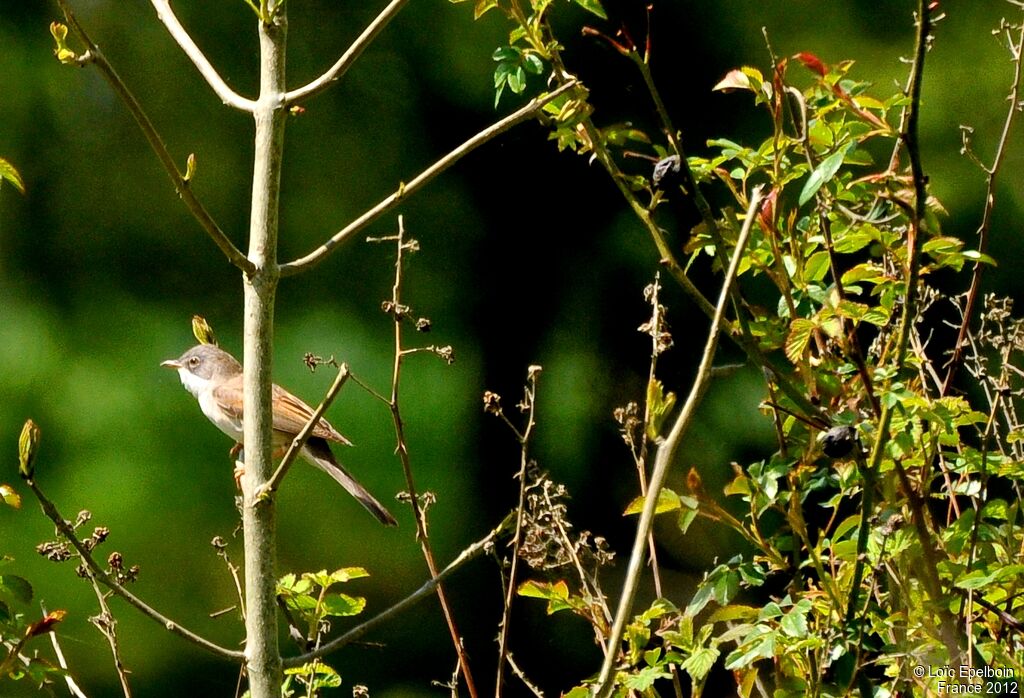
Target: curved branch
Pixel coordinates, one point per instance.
(101, 576)
(231, 98)
(338, 70)
(423, 592)
(665, 456)
(181, 184)
(417, 183)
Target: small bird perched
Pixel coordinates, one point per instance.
(214, 377)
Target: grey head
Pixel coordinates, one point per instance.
(203, 364)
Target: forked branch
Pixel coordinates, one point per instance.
(338, 70)
(231, 98)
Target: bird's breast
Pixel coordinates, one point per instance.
(225, 422)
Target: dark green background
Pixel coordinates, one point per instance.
(528, 256)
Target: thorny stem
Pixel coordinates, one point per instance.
(510, 589)
(428, 587)
(66, 530)
(402, 449)
(986, 217)
(666, 454)
(182, 185)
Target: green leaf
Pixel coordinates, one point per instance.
(794, 623)
(557, 594)
(645, 678)
(8, 172)
(533, 63)
(799, 337)
(17, 587)
(699, 664)
(10, 497)
(824, 172)
(593, 7)
(667, 501)
(506, 54)
(343, 605)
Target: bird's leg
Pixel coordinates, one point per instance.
(239, 466)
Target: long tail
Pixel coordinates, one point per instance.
(324, 459)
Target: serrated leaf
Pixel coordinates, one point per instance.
(698, 664)
(799, 337)
(824, 172)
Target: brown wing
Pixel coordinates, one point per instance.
(290, 413)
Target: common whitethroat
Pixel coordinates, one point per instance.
(214, 377)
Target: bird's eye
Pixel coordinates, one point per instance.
(194, 361)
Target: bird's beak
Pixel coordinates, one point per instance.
(171, 363)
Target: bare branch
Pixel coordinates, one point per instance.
(496, 129)
(402, 449)
(300, 439)
(106, 580)
(228, 96)
(387, 614)
(338, 70)
(666, 454)
(182, 185)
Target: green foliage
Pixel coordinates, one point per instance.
(890, 513)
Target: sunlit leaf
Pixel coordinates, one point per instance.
(824, 172)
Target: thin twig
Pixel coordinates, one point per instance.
(420, 180)
(402, 449)
(666, 454)
(510, 588)
(228, 96)
(73, 688)
(303, 436)
(107, 624)
(182, 185)
(522, 677)
(986, 216)
(105, 579)
(428, 588)
(338, 70)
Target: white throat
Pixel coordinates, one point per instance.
(193, 383)
(202, 390)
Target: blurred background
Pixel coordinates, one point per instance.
(528, 257)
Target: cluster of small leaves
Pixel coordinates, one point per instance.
(310, 605)
(530, 46)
